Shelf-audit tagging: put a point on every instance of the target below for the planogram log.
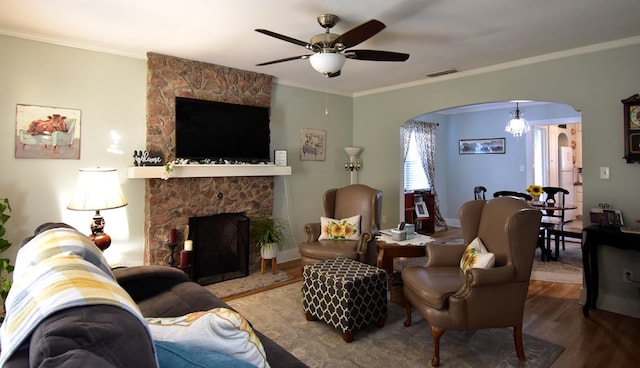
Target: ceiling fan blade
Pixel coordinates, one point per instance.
(285, 38)
(359, 34)
(376, 55)
(285, 59)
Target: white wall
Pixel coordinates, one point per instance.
(110, 91)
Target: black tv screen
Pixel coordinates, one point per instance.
(221, 131)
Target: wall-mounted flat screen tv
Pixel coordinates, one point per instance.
(221, 131)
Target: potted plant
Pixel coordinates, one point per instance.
(268, 234)
(5, 263)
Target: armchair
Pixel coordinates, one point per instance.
(450, 299)
(342, 203)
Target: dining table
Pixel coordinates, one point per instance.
(549, 228)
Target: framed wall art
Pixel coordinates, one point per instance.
(481, 146)
(313, 144)
(47, 132)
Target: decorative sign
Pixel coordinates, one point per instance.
(280, 157)
(146, 158)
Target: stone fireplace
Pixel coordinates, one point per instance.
(170, 203)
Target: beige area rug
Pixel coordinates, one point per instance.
(278, 314)
(241, 285)
(567, 269)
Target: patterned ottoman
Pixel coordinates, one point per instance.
(345, 293)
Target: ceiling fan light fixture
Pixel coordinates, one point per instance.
(327, 62)
(517, 125)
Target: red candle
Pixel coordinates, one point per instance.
(185, 258)
(172, 236)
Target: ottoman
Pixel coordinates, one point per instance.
(346, 294)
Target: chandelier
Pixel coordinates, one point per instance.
(517, 125)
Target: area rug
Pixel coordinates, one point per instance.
(278, 314)
(241, 285)
(567, 269)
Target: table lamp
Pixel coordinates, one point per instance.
(98, 189)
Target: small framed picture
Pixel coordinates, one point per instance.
(481, 146)
(421, 209)
(280, 157)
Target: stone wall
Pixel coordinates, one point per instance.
(170, 203)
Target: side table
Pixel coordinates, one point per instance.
(593, 237)
(388, 249)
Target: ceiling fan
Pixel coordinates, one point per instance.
(331, 50)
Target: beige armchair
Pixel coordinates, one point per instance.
(494, 297)
(342, 203)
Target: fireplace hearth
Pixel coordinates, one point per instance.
(220, 247)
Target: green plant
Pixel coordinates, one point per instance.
(267, 230)
(5, 263)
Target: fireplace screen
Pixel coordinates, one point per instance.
(220, 247)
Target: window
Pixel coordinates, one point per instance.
(414, 176)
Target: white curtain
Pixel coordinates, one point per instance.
(425, 138)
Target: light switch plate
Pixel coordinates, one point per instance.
(604, 172)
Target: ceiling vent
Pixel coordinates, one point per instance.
(442, 72)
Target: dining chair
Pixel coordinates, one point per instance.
(509, 193)
(479, 191)
(555, 197)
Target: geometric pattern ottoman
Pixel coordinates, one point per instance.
(345, 293)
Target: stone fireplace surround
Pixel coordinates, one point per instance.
(170, 203)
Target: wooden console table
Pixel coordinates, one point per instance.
(593, 237)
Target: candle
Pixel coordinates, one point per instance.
(172, 236)
(185, 258)
(188, 245)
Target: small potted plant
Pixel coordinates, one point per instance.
(268, 234)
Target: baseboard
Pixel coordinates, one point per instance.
(616, 304)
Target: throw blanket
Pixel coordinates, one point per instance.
(57, 269)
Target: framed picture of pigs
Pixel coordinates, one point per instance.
(47, 132)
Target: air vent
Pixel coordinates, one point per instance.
(442, 72)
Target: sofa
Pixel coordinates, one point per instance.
(67, 308)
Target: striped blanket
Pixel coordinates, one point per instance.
(57, 269)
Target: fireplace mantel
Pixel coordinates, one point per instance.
(207, 171)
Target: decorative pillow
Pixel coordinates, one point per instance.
(476, 256)
(345, 229)
(172, 355)
(220, 329)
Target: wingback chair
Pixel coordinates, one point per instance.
(450, 299)
(342, 203)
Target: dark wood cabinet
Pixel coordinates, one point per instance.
(424, 225)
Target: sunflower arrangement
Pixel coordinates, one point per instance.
(534, 190)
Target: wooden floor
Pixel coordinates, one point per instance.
(553, 313)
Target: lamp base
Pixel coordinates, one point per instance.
(101, 240)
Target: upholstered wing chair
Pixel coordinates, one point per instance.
(450, 299)
(342, 203)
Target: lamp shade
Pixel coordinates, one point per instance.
(327, 62)
(97, 189)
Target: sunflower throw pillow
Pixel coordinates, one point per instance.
(476, 256)
(345, 229)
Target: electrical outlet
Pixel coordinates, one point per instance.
(627, 276)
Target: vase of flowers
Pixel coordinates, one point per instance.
(535, 191)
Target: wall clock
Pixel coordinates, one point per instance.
(632, 128)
